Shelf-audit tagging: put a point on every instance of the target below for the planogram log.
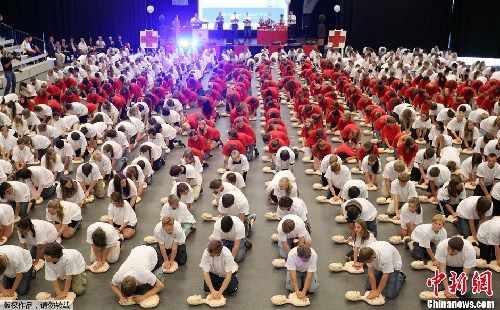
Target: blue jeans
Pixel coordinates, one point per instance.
(420, 253)
(149, 180)
(23, 207)
(464, 228)
(10, 76)
(23, 287)
(241, 252)
(301, 279)
(119, 164)
(217, 283)
(392, 286)
(372, 226)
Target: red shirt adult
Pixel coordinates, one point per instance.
(199, 143)
(390, 132)
(55, 105)
(407, 156)
(361, 153)
(312, 138)
(274, 150)
(235, 144)
(322, 153)
(119, 102)
(345, 149)
(275, 134)
(347, 130)
(69, 99)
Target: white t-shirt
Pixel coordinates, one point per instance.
(419, 124)
(491, 147)
(104, 165)
(242, 165)
(455, 126)
(6, 214)
(180, 214)
(466, 258)
(40, 142)
(190, 173)
(475, 134)
(466, 168)
(298, 232)
(139, 265)
(487, 124)
(112, 235)
(218, 265)
(79, 144)
(366, 168)
(284, 164)
(237, 232)
(156, 151)
(188, 198)
(168, 240)
(489, 232)
(94, 175)
(488, 174)
(443, 195)
(22, 155)
(148, 169)
(389, 172)
(294, 262)
(448, 154)
(363, 244)
(240, 204)
(120, 215)
(339, 179)
(240, 182)
(298, 208)
(403, 193)
(20, 260)
(443, 177)
(408, 217)
(420, 159)
(132, 189)
(45, 233)
(368, 210)
(70, 264)
(387, 258)
(77, 198)
(363, 189)
(57, 165)
(72, 212)
(466, 209)
(325, 163)
(424, 235)
(115, 147)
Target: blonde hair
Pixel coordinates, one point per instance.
(289, 184)
(4, 263)
(55, 204)
(167, 221)
(439, 218)
(399, 166)
(95, 154)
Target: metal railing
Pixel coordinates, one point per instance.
(6, 31)
(19, 37)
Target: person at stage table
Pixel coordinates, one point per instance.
(269, 21)
(247, 22)
(196, 22)
(292, 22)
(219, 23)
(262, 22)
(234, 25)
(281, 22)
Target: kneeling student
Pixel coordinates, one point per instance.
(171, 238)
(15, 265)
(301, 276)
(219, 270)
(67, 265)
(104, 243)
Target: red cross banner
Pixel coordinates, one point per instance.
(337, 38)
(200, 34)
(149, 39)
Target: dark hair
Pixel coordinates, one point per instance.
(68, 192)
(25, 222)
(86, 169)
(24, 173)
(3, 187)
(125, 191)
(456, 243)
(227, 200)
(53, 249)
(353, 211)
(175, 170)
(482, 206)
(99, 238)
(226, 224)
(285, 202)
(353, 192)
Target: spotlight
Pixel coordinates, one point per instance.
(183, 43)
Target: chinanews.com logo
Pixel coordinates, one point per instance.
(481, 282)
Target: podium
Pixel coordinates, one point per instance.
(200, 31)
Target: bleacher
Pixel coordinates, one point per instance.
(26, 67)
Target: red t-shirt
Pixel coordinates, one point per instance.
(407, 156)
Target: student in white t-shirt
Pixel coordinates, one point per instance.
(420, 127)
(488, 236)
(458, 255)
(238, 162)
(188, 174)
(172, 242)
(468, 168)
(140, 276)
(360, 208)
(469, 134)
(360, 237)
(219, 270)
(184, 192)
(90, 178)
(34, 235)
(231, 231)
(425, 237)
(179, 211)
(104, 244)
(284, 159)
(384, 269)
(437, 175)
(471, 213)
(153, 153)
(336, 175)
(6, 220)
(235, 203)
(411, 216)
(16, 264)
(220, 187)
(234, 178)
(390, 173)
(289, 228)
(40, 180)
(297, 206)
(401, 191)
(371, 168)
(66, 216)
(301, 268)
(67, 265)
(122, 216)
(488, 173)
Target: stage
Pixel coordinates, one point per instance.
(241, 44)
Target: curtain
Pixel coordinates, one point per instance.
(395, 23)
(474, 30)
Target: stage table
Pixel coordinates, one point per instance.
(268, 36)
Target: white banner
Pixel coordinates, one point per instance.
(309, 6)
(149, 39)
(200, 34)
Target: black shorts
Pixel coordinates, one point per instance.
(128, 226)
(73, 224)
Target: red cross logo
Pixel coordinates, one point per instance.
(149, 39)
(336, 38)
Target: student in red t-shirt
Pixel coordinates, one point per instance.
(319, 151)
(389, 132)
(407, 150)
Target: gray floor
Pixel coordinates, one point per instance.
(258, 279)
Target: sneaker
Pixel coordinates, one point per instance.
(406, 241)
(32, 202)
(205, 165)
(248, 244)
(402, 274)
(256, 152)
